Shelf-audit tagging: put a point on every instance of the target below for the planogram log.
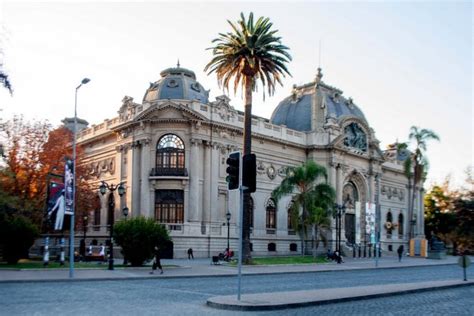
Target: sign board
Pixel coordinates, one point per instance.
(370, 221)
(69, 186)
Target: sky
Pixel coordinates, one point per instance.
(404, 63)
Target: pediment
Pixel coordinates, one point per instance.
(170, 111)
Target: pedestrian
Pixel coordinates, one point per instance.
(89, 249)
(400, 253)
(190, 254)
(102, 251)
(156, 261)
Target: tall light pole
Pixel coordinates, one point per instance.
(121, 191)
(227, 217)
(340, 210)
(71, 237)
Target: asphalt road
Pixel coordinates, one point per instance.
(182, 296)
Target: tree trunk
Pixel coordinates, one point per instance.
(412, 200)
(313, 233)
(303, 230)
(247, 256)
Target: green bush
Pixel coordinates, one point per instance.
(17, 235)
(137, 237)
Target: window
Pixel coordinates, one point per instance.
(291, 230)
(389, 224)
(170, 153)
(271, 214)
(251, 205)
(169, 206)
(293, 247)
(400, 225)
(97, 216)
(271, 246)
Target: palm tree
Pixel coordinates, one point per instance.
(416, 167)
(313, 197)
(250, 53)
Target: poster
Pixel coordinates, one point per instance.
(69, 186)
(55, 208)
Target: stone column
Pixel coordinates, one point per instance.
(136, 173)
(213, 182)
(339, 183)
(206, 192)
(145, 169)
(194, 173)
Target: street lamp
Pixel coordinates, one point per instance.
(125, 212)
(340, 210)
(121, 191)
(71, 236)
(227, 217)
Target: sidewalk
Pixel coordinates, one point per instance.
(176, 268)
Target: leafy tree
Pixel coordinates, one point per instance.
(17, 235)
(33, 151)
(250, 53)
(449, 215)
(416, 167)
(313, 197)
(138, 236)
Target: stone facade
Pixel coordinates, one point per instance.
(170, 152)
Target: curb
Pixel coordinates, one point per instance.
(257, 305)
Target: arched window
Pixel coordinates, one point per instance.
(389, 224)
(170, 155)
(251, 205)
(400, 225)
(389, 217)
(271, 216)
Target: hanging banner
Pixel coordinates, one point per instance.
(357, 220)
(68, 186)
(370, 221)
(55, 205)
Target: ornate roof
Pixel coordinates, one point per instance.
(176, 83)
(296, 110)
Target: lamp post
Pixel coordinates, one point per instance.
(125, 212)
(111, 206)
(71, 236)
(340, 210)
(227, 217)
(84, 226)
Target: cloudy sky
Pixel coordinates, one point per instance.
(403, 62)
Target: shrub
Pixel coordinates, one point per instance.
(17, 234)
(137, 237)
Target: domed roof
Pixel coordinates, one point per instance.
(295, 111)
(176, 83)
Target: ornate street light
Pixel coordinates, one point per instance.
(125, 211)
(340, 210)
(104, 186)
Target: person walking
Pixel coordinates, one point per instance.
(190, 254)
(400, 253)
(156, 261)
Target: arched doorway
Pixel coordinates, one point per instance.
(351, 201)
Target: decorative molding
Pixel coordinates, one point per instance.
(390, 191)
(101, 167)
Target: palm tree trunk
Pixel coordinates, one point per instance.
(247, 150)
(313, 233)
(303, 230)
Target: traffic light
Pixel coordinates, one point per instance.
(233, 170)
(249, 172)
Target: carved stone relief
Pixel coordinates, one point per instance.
(127, 110)
(271, 172)
(98, 168)
(393, 192)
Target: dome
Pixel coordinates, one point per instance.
(295, 111)
(176, 83)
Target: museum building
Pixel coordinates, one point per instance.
(170, 152)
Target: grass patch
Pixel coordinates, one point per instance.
(286, 260)
(32, 264)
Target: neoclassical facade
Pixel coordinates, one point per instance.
(170, 152)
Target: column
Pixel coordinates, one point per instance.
(214, 177)
(194, 170)
(145, 181)
(206, 192)
(340, 183)
(136, 172)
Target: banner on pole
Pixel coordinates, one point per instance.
(55, 205)
(69, 186)
(370, 221)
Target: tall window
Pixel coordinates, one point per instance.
(97, 208)
(169, 206)
(271, 214)
(290, 205)
(251, 212)
(400, 224)
(389, 224)
(170, 152)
